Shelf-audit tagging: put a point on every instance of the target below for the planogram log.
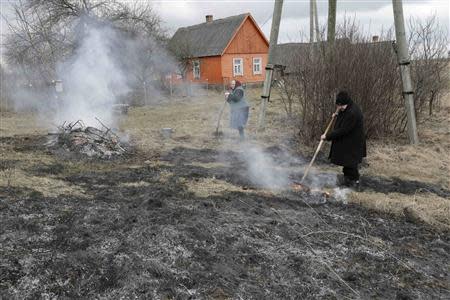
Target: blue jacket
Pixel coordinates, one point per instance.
(236, 99)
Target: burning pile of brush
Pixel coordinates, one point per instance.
(78, 138)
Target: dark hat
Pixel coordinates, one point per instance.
(342, 98)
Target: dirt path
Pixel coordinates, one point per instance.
(139, 230)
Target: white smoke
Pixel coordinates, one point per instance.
(92, 81)
(262, 169)
(341, 194)
(321, 180)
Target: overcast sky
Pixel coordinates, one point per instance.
(373, 15)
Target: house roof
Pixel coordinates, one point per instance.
(209, 38)
(289, 54)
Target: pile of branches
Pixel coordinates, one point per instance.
(86, 140)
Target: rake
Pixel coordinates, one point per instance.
(319, 147)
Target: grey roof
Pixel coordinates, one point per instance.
(207, 39)
(289, 54)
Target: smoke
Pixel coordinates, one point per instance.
(321, 180)
(107, 65)
(341, 194)
(92, 80)
(262, 169)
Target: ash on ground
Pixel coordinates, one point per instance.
(87, 141)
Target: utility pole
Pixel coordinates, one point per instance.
(311, 21)
(331, 32)
(404, 62)
(316, 21)
(278, 7)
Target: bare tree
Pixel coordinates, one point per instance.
(45, 32)
(373, 83)
(428, 49)
(182, 50)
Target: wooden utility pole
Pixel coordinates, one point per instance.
(316, 21)
(311, 21)
(278, 7)
(331, 32)
(404, 62)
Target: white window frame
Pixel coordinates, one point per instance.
(196, 66)
(241, 64)
(259, 64)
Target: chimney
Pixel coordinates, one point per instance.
(209, 18)
(375, 38)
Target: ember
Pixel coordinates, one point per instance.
(299, 187)
(93, 142)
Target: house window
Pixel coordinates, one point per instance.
(238, 66)
(257, 65)
(196, 69)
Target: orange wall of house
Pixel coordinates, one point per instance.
(248, 76)
(247, 44)
(210, 70)
(247, 40)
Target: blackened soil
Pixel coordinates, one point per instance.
(159, 240)
(234, 171)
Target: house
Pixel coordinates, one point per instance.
(218, 51)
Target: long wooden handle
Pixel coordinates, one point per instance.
(220, 115)
(319, 147)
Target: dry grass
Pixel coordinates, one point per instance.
(48, 186)
(427, 208)
(206, 187)
(428, 162)
(194, 122)
(24, 123)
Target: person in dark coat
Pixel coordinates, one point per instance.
(239, 107)
(348, 142)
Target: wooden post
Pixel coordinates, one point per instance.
(404, 62)
(316, 21)
(145, 92)
(278, 6)
(331, 32)
(170, 85)
(311, 21)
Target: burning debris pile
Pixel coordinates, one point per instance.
(78, 138)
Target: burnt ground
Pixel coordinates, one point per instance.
(161, 241)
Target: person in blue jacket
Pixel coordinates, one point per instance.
(239, 108)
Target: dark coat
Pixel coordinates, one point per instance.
(239, 108)
(348, 145)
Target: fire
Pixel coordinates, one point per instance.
(299, 187)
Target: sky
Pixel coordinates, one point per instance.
(372, 15)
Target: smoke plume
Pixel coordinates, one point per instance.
(92, 80)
